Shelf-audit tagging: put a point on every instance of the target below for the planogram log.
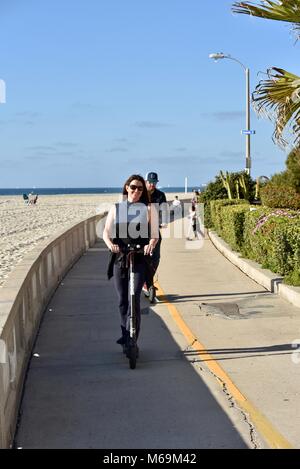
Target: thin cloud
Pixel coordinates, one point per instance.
(10, 163)
(65, 153)
(231, 154)
(35, 157)
(225, 115)
(151, 124)
(42, 148)
(17, 121)
(192, 160)
(66, 144)
(117, 149)
(28, 114)
(173, 160)
(85, 107)
(121, 140)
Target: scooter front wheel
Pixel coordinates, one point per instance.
(132, 354)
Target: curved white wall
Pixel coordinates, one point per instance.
(23, 299)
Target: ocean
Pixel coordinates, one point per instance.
(83, 190)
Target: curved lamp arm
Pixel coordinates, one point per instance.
(220, 55)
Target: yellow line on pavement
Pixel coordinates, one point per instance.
(262, 424)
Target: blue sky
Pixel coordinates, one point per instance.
(100, 89)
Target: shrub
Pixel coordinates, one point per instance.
(214, 190)
(291, 176)
(216, 208)
(293, 278)
(293, 168)
(233, 220)
(280, 196)
(272, 238)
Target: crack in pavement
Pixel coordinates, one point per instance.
(230, 398)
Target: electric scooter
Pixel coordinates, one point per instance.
(132, 349)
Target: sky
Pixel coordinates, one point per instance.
(97, 90)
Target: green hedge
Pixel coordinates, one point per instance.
(256, 245)
(233, 221)
(279, 196)
(216, 207)
(289, 256)
(272, 238)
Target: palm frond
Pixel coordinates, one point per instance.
(278, 98)
(279, 10)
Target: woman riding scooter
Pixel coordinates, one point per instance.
(132, 220)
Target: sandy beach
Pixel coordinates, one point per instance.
(22, 226)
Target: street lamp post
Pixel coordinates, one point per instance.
(247, 131)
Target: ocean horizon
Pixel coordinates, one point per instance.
(83, 190)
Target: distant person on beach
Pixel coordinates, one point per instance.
(158, 198)
(132, 220)
(32, 198)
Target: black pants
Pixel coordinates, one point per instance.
(155, 258)
(121, 281)
(153, 263)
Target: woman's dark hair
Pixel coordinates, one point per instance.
(136, 177)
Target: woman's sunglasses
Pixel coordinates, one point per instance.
(133, 187)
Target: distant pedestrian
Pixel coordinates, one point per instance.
(176, 207)
(192, 228)
(176, 202)
(195, 198)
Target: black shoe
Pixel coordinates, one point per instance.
(152, 294)
(122, 339)
(126, 339)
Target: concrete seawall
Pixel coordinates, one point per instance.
(23, 299)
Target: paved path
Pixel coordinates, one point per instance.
(248, 330)
(80, 392)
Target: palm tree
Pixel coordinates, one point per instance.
(280, 10)
(278, 97)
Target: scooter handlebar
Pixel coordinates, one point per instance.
(137, 248)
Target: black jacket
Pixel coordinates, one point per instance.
(159, 197)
